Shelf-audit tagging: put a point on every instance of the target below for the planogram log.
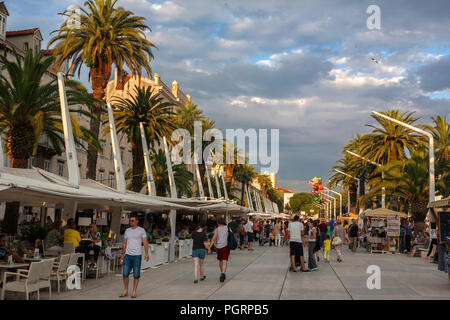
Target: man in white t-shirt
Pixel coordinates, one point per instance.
(249, 229)
(296, 234)
(132, 255)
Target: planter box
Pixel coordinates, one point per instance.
(157, 256)
(165, 246)
(188, 244)
(181, 249)
(145, 264)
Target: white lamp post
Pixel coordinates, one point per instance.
(357, 189)
(383, 189)
(340, 200)
(430, 150)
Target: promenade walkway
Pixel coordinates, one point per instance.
(263, 274)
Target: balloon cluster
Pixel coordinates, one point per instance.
(316, 184)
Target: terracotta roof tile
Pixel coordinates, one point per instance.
(21, 32)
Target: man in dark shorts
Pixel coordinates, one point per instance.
(223, 252)
(296, 234)
(249, 230)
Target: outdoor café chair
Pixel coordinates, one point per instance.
(48, 253)
(45, 274)
(30, 283)
(69, 247)
(61, 270)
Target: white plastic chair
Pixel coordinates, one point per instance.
(60, 273)
(29, 284)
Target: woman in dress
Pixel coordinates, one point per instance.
(199, 247)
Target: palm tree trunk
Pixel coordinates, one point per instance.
(100, 76)
(138, 166)
(242, 193)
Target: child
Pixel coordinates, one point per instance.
(327, 247)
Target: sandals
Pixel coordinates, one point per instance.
(202, 278)
(123, 295)
(133, 296)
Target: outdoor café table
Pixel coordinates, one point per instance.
(6, 266)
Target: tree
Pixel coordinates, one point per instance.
(409, 180)
(441, 135)
(148, 107)
(265, 182)
(106, 35)
(30, 109)
(388, 141)
(183, 177)
(276, 197)
(244, 173)
(301, 202)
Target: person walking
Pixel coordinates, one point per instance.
(318, 243)
(353, 234)
(249, 230)
(327, 248)
(233, 226)
(339, 232)
(132, 255)
(199, 247)
(311, 239)
(223, 252)
(242, 234)
(323, 231)
(296, 233)
(407, 237)
(277, 233)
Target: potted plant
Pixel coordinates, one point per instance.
(166, 241)
(152, 244)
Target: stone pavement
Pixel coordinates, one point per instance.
(263, 274)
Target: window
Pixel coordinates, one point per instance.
(101, 176)
(60, 168)
(121, 154)
(3, 25)
(25, 46)
(79, 168)
(102, 145)
(47, 165)
(111, 180)
(37, 46)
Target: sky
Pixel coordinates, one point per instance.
(303, 67)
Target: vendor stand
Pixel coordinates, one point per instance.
(440, 210)
(383, 229)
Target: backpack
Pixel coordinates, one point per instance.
(232, 243)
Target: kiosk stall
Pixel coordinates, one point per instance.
(383, 229)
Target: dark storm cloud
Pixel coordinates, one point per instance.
(435, 76)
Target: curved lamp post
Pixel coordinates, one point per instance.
(357, 189)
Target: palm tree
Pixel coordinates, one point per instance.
(388, 141)
(441, 135)
(30, 110)
(347, 165)
(244, 173)
(187, 114)
(409, 180)
(106, 35)
(183, 178)
(147, 106)
(265, 183)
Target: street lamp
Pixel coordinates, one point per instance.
(383, 189)
(357, 189)
(430, 151)
(340, 200)
(328, 195)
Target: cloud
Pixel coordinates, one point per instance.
(435, 76)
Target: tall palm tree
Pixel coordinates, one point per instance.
(388, 141)
(187, 114)
(30, 110)
(106, 35)
(347, 165)
(441, 135)
(245, 173)
(147, 106)
(408, 180)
